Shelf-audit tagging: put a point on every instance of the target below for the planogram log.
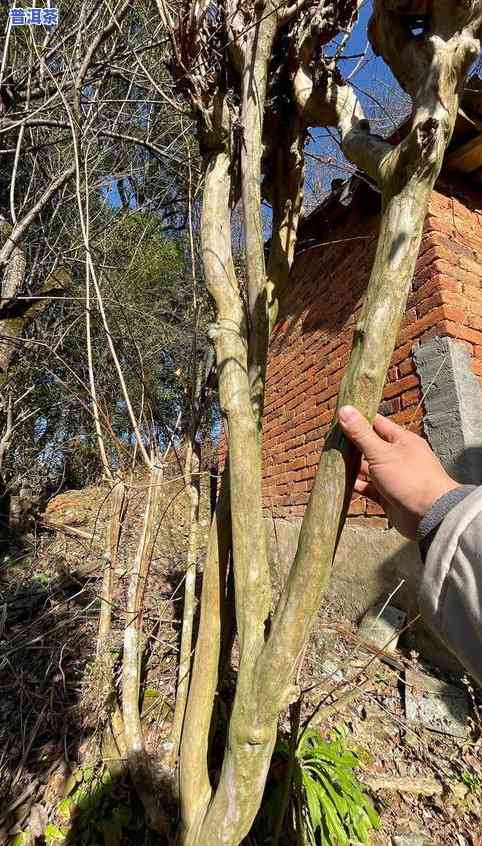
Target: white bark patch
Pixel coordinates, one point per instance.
(403, 224)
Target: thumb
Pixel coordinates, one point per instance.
(358, 430)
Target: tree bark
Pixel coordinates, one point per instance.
(192, 480)
(117, 495)
(137, 760)
(195, 785)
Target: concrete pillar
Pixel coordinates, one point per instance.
(453, 407)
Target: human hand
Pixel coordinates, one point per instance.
(399, 470)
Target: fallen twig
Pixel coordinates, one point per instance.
(419, 786)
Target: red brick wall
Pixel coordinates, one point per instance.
(311, 344)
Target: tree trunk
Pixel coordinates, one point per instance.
(137, 759)
(195, 785)
(192, 480)
(117, 495)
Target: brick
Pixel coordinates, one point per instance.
(296, 452)
(375, 508)
(427, 336)
(305, 367)
(314, 435)
(335, 378)
(409, 317)
(357, 506)
(450, 246)
(289, 477)
(407, 367)
(453, 330)
(313, 458)
(471, 279)
(401, 353)
(429, 253)
(439, 201)
(435, 282)
(472, 295)
(396, 388)
(474, 321)
(389, 407)
(314, 445)
(330, 392)
(368, 521)
(426, 322)
(411, 398)
(297, 441)
(358, 521)
(300, 486)
(380, 522)
(300, 498)
(292, 403)
(436, 267)
(439, 298)
(407, 416)
(436, 224)
(304, 426)
(472, 265)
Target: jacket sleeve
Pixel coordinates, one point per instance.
(451, 587)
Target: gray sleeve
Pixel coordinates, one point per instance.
(451, 588)
(432, 519)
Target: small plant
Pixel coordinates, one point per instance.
(335, 809)
(472, 781)
(327, 804)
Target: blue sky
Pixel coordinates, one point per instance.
(382, 99)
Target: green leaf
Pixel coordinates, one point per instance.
(106, 778)
(20, 839)
(333, 823)
(313, 800)
(65, 808)
(372, 815)
(360, 825)
(88, 773)
(53, 834)
(338, 800)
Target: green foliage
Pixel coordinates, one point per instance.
(335, 808)
(146, 286)
(327, 801)
(53, 835)
(472, 781)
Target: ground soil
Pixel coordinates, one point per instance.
(49, 717)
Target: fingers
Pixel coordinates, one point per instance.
(368, 489)
(359, 431)
(387, 429)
